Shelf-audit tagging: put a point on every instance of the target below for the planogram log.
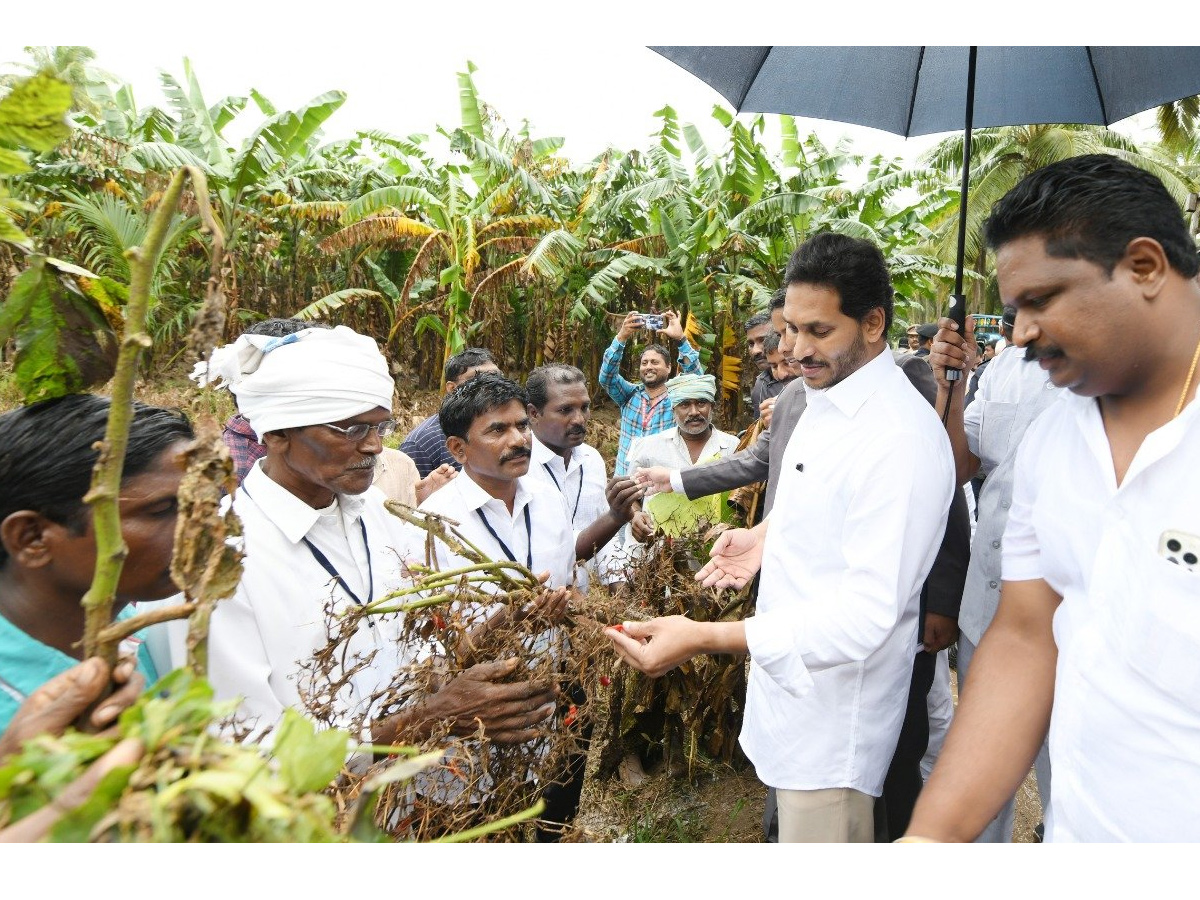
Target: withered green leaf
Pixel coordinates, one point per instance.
(65, 340)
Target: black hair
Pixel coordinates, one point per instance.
(757, 319)
(660, 350)
(771, 341)
(282, 327)
(47, 453)
(777, 299)
(1090, 207)
(465, 404)
(539, 380)
(471, 358)
(854, 268)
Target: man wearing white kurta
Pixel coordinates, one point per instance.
(860, 511)
(317, 537)
(1098, 630)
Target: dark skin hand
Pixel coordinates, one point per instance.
(549, 606)
(61, 700)
(940, 632)
(622, 495)
(642, 526)
(50, 710)
(509, 713)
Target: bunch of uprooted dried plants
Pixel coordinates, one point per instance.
(693, 714)
(452, 620)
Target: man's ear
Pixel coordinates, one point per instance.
(277, 441)
(874, 322)
(1147, 262)
(457, 447)
(23, 534)
(534, 413)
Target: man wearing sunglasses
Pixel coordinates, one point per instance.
(318, 540)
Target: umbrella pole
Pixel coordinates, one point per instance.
(958, 302)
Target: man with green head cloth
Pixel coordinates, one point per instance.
(692, 440)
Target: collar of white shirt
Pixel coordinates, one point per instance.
(474, 497)
(849, 394)
(1156, 445)
(291, 515)
(543, 455)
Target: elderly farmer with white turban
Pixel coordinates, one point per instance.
(316, 531)
(692, 440)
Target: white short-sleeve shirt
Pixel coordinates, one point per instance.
(1125, 727)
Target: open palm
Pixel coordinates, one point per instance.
(736, 558)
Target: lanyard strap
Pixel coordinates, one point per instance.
(578, 492)
(503, 546)
(328, 567)
(325, 564)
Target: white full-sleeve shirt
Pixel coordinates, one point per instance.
(260, 637)
(1125, 726)
(861, 508)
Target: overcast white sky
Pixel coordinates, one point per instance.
(578, 71)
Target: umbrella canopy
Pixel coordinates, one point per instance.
(923, 90)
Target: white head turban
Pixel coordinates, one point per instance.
(312, 377)
(692, 387)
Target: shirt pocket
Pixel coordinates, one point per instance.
(995, 431)
(1157, 613)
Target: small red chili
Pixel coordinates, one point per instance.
(571, 715)
(618, 627)
(605, 681)
(438, 622)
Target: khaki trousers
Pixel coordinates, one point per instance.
(832, 815)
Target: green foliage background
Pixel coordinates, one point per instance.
(508, 244)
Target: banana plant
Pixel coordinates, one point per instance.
(471, 224)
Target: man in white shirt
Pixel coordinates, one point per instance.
(508, 515)
(317, 535)
(859, 512)
(691, 440)
(1097, 636)
(560, 408)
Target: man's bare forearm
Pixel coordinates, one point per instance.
(1001, 721)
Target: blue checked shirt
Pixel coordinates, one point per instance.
(639, 413)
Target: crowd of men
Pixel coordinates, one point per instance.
(1071, 592)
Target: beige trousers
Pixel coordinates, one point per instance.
(832, 815)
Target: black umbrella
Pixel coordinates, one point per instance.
(924, 90)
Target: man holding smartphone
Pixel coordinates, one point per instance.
(646, 409)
